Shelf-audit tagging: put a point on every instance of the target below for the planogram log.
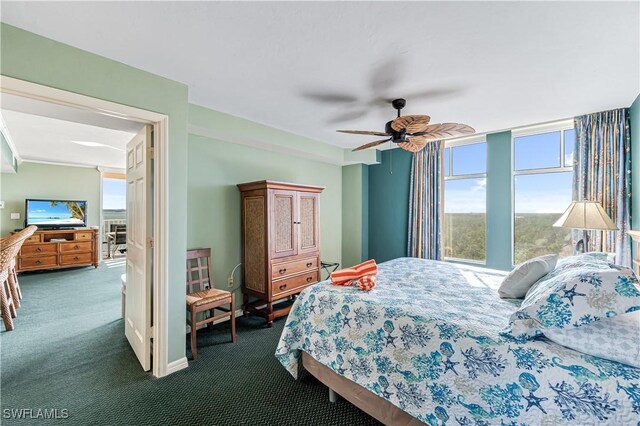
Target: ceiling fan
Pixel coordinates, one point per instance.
(412, 132)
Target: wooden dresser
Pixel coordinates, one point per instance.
(40, 252)
(280, 243)
(635, 237)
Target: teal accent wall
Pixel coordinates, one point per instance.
(499, 201)
(27, 56)
(215, 168)
(47, 181)
(634, 123)
(389, 205)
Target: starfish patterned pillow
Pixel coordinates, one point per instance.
(575, 296)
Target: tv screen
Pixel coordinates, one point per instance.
(56, 213)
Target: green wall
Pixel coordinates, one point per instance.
(389, 205)
(499, 201)
(6, 152)
(48, 181)
(216, 167)
(27, 56)
(634, 118)
(355, 206)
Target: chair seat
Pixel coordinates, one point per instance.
(204, 297)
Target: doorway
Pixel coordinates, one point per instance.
(154, 333)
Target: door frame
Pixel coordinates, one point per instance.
(160, 123)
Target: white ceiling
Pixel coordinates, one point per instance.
(43, 138)
(492, 65)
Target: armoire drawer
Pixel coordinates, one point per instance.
(36, 249)
(296, 282)
(85, 236)
(78, 246)
(279, 270)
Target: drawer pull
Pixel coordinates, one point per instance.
(283, 270)
(38, 262)
(309, 279)
(39, 249)
(76, 258)
(76, 247)
(309, 265)
(282, 287)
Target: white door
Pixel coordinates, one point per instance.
(137, 326)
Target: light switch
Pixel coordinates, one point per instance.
(1, 204)
(15, 215)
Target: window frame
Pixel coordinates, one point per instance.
(471, 140)
(556, 126)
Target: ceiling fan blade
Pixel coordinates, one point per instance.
(385, 75)
(444, 130)
(371, 144)
(414, 144)
(330, 98)
(349, 116)
(412, 123)
(362, 132)
(433, 93)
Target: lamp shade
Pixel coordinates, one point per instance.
(586, 215)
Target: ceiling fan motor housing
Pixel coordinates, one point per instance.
(396, 137)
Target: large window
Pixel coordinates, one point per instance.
(465, 200)
(542, 169)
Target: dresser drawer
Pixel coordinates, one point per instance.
(297, 282)
(36, 249)
(73, 247)
(38, 261)
(84, 236)
(70, 259)
(279, 270)
(32, 239)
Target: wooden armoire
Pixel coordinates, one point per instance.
(280, 243)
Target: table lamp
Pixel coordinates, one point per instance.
(585, 215)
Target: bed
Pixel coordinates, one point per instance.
(425, 347)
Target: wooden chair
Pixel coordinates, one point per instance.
(9, 287)
(118, 236)
(202, 297)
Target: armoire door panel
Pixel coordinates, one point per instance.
(283, 228)
(308, 234)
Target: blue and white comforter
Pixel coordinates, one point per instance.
(427, 340)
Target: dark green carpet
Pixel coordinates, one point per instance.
(69, 352)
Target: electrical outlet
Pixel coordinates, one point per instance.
(230, 282)
(15, 216)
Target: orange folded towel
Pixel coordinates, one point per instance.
(347, 275)
(362, 275)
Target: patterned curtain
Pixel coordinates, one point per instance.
(602, 172)
(425, 215)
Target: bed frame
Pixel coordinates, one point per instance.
(378, 408)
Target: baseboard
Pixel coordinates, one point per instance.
(177, 365)
(238, 313)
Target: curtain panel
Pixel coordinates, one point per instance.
(425, 194)
(602, 172)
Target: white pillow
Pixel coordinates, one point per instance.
(615, 339)
(516, 284)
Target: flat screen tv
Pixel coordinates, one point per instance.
(54, 214)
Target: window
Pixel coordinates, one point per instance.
(465, 200)
(542, 182)
(114, 200)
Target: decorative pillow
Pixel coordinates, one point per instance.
(615, 339)
(517, 283)
(578, 294)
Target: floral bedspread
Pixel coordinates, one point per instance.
(427, 339)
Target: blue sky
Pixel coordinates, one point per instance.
(114, 194)
(534, 193)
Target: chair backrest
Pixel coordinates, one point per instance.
(199, 269)
(11, 245)
(121, 233)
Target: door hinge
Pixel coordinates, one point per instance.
(150, 153)
(150, 242)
